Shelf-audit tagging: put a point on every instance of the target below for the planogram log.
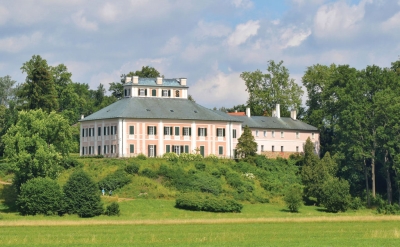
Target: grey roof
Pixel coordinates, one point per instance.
(274, 123)
(157, 108)
(153, 82)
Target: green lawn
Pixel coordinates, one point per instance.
(158, 223)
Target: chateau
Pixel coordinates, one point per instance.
(156, 117)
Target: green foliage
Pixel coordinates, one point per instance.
(145, 72)
(388, 209)
(147, 172)
(40, 196)
(336, 195)
(112, 209)
(294, 197)
(275, 87)
(207, 202)
(141, 157)
(356, 203)
(246, 144)
(186, 157)
(82, 196)
(200, 166)
(6, 89)
(114, 181)
(69, 162)
(132, 168)
(173, 157)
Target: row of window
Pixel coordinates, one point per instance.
(107, 130)
(282, 134)
(273, 148)
(186, 131)
(106, 150)
(143, 92)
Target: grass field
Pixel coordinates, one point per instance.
(158, 223)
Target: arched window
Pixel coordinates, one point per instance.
(177, 93)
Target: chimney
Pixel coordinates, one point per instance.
(278, 111)
(128, 79)
(82, 116)
(183, 81)
(235, 111)
(293, 114)
(248, 112)
(135, 79)
(159, 80)
(273, 113)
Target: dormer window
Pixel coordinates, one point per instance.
(142, 92)
(177, 93)
(166, 93)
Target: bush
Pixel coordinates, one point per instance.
(40, 196)
(190, 157)
(385, 208)
(200, 166)
(132, 169)
(141, 157)
(207, 202)
(356, 203)
(335, 195)
(234, 179)
(114, 181)
(147, 172)
(112, 209)
(82, 196)
(70, 162)
(204, 182)
(216, 173)
(212, 157)
(171, 157)
(293, 198)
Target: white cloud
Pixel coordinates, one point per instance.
(338, 20)
(291, 37)
(220, 89)
(243, 32)
(4, 15)
(206, 29)
(242, 3)
(16, 44)
(392, 23)
(109, 12)
(172, 45)
(194, 53)
(81, 22)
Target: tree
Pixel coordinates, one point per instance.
(82, 196)
(336, 195)
(6, 89)
(146, 72)
(191, 98)
(246, 144)
(40, 196)
(275, 87)
(116, 89)
(38, 91)
(294, 197)
(36, 144)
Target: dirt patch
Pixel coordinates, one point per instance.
(7, 183)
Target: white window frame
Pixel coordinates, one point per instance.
(256, 133)
(167, 130)
(273, 133)
(165, 93)
(262, 148)
(151, 130)
(273, 148)
(312, 135)
(297, 149)
(202, 132)
(177, 149)
(282, 134)
(152, 151)
(265, 133)
(297, 135)
(142, 92)
(185, 131)
(220, 132)
(282, 149)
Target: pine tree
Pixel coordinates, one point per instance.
(246, 144)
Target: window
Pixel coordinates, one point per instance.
(90, 149)
(99, 131)
(187, 131)
(177, 149)
(98, 150)
(273, 133)
(83, 132)
(297, 135)
(186, 148)
(90, 131)
(167, 148)
(234, 133)
(106, 130)
(282, 134)
(202, 131)
(105, 149)
(83, 150)
(151, 130)
(312, 135)
(256, 132)
(131, 130)
(113, 130)
(132, 148)
(297, 149)
(281, 148)
(220, 150)
(167, 131)
(177, 93)
(177, 131)
(142, 92)
(166, 93)
(154, 92)
(127, 92)
(273, 149)
(220, 132)
(262, 148)
(113, 149)
(152, 151)
(265, 133)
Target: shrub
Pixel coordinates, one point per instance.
(212, 157)
(171, 157)
(335, 195)
(112, 209)
(141, 157)
(132, 169)
(388, 209)
(356, 203)
(82, 196)
(293, 198)
(200, 166)
(234, 179)
(207, 202)
(216, 173)
(40, 196)
(114, 181)
(147, 172)
(204, 182)
(71, 162)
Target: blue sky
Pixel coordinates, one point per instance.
(209, 42)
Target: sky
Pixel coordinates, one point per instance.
(209, 42)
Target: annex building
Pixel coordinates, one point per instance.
(156, 117)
